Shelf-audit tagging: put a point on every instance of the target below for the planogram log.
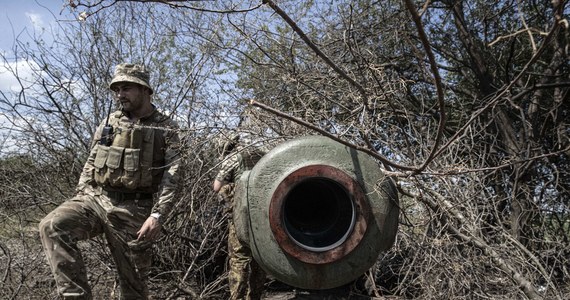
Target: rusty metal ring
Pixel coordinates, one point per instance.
(354, 233)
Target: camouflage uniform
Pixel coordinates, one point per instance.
(114, 197)
(246, 278)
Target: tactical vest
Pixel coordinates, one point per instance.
(127, 162)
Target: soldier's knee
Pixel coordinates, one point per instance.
(45, 227)
(51, 226)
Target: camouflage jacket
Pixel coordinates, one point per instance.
(160, 170)
(236, 163)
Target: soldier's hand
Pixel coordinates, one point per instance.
(150, 230)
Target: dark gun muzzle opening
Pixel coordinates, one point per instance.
(318, 214)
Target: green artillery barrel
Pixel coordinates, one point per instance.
(315, 213)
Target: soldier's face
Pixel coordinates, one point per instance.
(131, 96)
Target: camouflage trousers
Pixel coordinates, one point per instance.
(84, 217)
(246, 278)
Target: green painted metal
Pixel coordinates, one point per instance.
(270, 199)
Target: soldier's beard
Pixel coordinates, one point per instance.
(122, 106)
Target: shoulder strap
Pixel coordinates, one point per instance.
(114, 118)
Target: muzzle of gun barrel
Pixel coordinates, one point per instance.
(312, 209)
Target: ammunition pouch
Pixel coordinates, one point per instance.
(127, 163)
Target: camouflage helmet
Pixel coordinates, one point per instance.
(131, 73)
